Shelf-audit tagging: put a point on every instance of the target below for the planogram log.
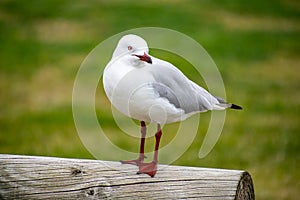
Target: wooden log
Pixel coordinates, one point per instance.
(34, 177)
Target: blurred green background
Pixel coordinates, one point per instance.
(255, 44)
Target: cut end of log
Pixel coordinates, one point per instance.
(245, 189)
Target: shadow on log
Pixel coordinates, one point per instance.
(34, 177)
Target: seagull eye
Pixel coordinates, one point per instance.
(129, 48)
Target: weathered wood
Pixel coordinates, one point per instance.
(32, 177)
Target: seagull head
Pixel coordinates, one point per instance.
(134, 46)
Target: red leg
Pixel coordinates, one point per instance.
(151, 168)
(142, 146)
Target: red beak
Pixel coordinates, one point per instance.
(145, 58)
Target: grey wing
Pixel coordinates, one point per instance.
(167, 93)
(173, 85)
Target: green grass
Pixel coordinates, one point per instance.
(255, 45)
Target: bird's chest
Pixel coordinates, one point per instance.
(121, 85)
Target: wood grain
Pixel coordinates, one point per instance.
(34, 177)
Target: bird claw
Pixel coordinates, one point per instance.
(148, 168)
(144, 168)
(136, 162)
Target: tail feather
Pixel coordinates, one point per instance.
(224, 104)
(233, 106)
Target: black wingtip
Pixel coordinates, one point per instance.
(236, 107)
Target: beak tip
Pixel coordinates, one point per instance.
(146, 58)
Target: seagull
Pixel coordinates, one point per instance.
(152, 90)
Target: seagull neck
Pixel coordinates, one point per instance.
(137, 63)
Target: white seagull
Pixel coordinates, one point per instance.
(152, 90)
